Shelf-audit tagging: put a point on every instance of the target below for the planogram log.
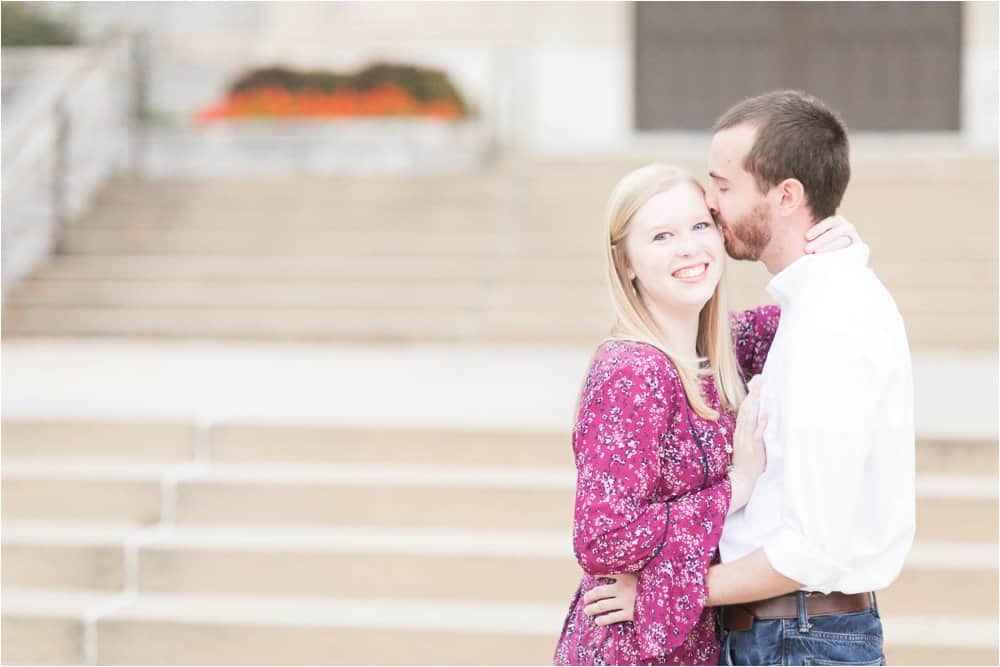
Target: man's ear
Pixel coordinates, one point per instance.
(791, 195)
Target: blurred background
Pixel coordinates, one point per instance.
(298, 298)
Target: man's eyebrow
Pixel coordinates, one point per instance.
(714, 175)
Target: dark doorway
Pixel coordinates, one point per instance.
(892, 66)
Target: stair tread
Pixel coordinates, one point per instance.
(498, 618)
(927, 555)
(973, 487)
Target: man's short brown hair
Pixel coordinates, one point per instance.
(797, 137)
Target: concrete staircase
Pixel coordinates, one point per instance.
(150, 518)
(159, 543)
(508, 255)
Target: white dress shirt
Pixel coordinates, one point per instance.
(834, 508)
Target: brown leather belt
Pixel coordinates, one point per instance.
(742, 616)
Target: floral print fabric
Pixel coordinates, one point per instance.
(651, 496)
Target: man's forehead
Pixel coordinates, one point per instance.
(729, 148)
(738, 137)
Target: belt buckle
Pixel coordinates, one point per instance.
(745, 616)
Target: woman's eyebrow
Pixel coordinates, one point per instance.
(714, 175)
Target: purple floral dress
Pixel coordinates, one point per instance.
(651, 496)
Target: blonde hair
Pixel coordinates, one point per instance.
(635, 322)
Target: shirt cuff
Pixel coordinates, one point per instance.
(793, 556)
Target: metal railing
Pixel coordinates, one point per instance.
(78, 134)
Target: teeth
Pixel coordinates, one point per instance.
(693, 272)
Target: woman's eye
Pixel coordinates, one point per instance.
(723, 189)
(661, 236)
(700, 226)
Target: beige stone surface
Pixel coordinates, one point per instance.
(509, 254)
(75, 439)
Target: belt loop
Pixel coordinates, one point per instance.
(803, 612)
(875, 605)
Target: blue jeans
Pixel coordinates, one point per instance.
(837, 639)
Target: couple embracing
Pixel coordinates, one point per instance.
(745, 481)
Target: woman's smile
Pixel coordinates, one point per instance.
(692, 273)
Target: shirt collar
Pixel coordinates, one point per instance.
(790, 280)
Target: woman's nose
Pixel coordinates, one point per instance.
(685, 246)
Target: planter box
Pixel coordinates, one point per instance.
(255, 147)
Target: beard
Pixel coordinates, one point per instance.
(747, 237)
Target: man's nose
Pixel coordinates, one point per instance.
(711, 203)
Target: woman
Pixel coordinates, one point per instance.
(656, 475)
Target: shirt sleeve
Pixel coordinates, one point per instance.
(826, 420)
(618, 529)
(753, 332)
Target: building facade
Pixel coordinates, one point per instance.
(553, 78)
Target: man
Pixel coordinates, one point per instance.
(831, 519)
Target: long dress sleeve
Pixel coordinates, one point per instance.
(752, 333)
(616, 528)
(671, 592)
(619, 527)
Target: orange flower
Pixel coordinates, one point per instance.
(384, 100)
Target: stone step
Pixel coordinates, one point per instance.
(115, 492)
(518, 272)
(203, 629)
(379, 495)
(578, 225)
(279, 323)
(970, 330)
(414, 323)
(47, 627)
(41, 439)
(46, 439)
(450, 220)
(306, 242)
(252, 293)
(184, 629)
(377, 294)
(86, 439)
(262, 294)
(249, 443)
(81, 240)
(439, 217)
(349, 269)
(892, 189)
(306, 190)
(505, 566)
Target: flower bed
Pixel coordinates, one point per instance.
(378, 90)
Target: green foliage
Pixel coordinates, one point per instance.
(24, 24)
(288, 79)
(426, 85)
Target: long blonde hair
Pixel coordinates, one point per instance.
(635, 322)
